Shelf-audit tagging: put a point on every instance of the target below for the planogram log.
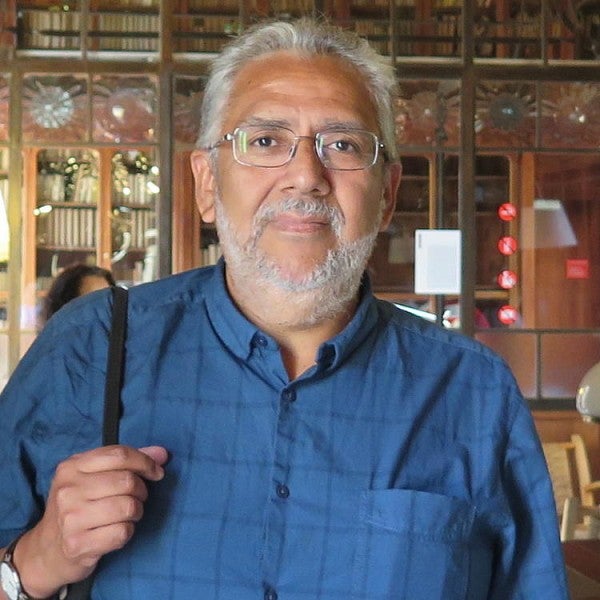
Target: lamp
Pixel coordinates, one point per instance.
(552, 226)
(588, 395)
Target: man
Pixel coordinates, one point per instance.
(321, 443)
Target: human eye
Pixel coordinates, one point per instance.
(344, 142)
(265, 139)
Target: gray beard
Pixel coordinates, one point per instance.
(324, 292)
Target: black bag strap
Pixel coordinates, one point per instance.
(114, 368)
(112, 402)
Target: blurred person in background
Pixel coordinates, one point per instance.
(74, 281)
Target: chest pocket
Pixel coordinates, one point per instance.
(412, 546)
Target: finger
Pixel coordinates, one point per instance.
(95, 486)
(157, 453)
(86, 547)
(102, 513)
(118, 458)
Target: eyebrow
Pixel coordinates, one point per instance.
(344, 125)
(330, 124)
(260, 122)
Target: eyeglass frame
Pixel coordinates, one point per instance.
(230, 137)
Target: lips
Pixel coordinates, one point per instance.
(299, 224)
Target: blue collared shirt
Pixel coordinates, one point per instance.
(403, 465)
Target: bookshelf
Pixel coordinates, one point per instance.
(48, 25)
(124, 26)
(201, 26)
(135, 189)
(504, 29)
(87, 25)
(90, 205)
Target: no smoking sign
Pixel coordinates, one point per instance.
(507, 314)
(507, 279)
(507, 245)
(507, 211)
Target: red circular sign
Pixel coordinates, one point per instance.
(507, 279)
(507, 245)
(507, 314)
(507, 211)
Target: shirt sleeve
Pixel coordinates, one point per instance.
(529, 559)
(50, 408)
(20, 404)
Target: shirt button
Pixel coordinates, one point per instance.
(289, 395)
(327, 356)
(283, 491)
(270, 595)
(261, 340)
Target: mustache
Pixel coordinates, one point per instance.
(305, 207)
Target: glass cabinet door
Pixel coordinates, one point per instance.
(135, 190)
(497, 270)
(66, 211)
(391, 266)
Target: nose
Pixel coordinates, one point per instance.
(305, 171)
(312, 145)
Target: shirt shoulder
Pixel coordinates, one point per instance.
(425, 334)
(94, 309)
(471, 372)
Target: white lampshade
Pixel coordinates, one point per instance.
(588, 395)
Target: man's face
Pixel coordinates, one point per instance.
(268, 208)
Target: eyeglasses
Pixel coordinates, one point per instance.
(274, 146)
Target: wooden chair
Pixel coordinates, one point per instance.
(574, 491)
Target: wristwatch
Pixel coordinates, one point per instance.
(9, 576)
(10, 580)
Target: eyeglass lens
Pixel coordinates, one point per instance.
(275, 146)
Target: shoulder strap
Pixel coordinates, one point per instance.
(114, 368)
(112, 403)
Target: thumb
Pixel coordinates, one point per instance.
(157, 453)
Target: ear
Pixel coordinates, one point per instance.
(392, 175)
(205, 184)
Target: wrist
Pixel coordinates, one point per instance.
(35, 580)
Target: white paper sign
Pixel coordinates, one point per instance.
(437, 261)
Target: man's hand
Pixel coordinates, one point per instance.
(95, 500)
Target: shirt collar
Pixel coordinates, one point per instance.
(241, 336)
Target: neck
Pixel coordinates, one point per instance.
(289, 321)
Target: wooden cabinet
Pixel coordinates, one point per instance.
(429, 198)
(560, 249)
(90, 205)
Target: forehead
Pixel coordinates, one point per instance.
(299, 89)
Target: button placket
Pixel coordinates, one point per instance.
(280, 493)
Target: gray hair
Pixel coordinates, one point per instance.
(309, 36)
